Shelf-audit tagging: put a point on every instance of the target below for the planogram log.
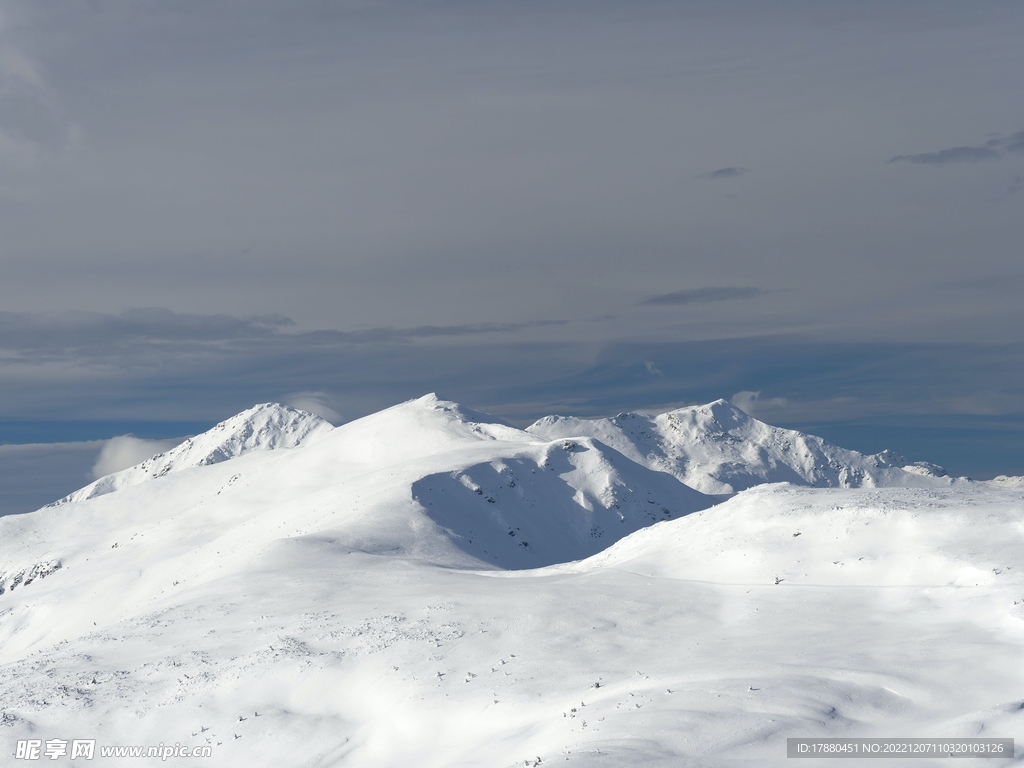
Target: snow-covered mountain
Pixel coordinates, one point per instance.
(426, 479)
(430, 586)
(1007, 481)
(260, 428)
(714, 448)
(719, 449)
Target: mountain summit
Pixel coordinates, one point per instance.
(719, 449)
(263, 427)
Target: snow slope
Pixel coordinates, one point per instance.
(260, 428)
(359, 601)
(718, 449)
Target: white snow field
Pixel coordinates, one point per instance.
(429, 587)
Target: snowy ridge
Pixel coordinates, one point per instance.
(1007, 481)
(719, 449)
(260, 428)
(463, 488)
(881, 537)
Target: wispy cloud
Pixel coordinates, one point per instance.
(126, 451)
(653, 369)
(43, 332)
(319, 402)
(140, 332)
(32, 119)
(722, 173)
(753, 404)
(700, 296)
(990, 150)
(1014, 143)
(376, 335)
(947, 156)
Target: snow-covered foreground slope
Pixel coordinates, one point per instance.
(370, 599)
(718, 449)
(898, 614)
(260, 428)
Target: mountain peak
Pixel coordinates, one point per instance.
(458, 411)
(263, 427)
(266, 426)
(724, 411)
(717, 448)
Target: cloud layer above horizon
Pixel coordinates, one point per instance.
(552, 206)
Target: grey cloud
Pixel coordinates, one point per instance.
(371, 152)
(701, 296)
(1014, 143)
(91, 334)
(348, 163)
(376, 335)
(722, 173)
(987, 151)
(32, 120)
(947, 156)
(38, 331)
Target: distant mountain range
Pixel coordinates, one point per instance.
(458, 486)
(715, 448)
(719, 449)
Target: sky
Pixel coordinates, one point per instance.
(810, 209)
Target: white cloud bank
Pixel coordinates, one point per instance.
(315, 402)
(752, 404)
(126, 451)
